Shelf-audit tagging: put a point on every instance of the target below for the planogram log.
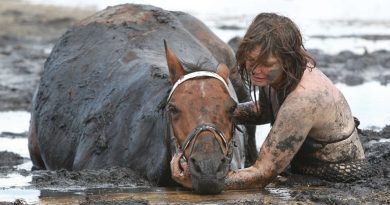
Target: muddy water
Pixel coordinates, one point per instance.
(63, 187)
(149, 195)
(17, 182)
(27, 34)
(117, 186)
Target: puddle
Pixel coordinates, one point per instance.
(16, 145)
(370, 103)
(150, 195)
(14, 180)
(29, 195)
(14, 121)
(378, 141)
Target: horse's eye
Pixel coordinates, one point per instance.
(232, 108)
(172, 109)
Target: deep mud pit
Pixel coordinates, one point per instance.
(26, 37)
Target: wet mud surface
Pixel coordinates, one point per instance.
(118, 185)
(27, 35)
(26, 38)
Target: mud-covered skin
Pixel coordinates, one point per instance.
(251, 113)
(314, 110)
(265, 73)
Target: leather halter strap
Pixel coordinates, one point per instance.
(200, 128)
(199, 74)
(209, 127)
(191, 137)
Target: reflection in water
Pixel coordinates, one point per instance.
(162, 196)
(149, 195)
(280, 192)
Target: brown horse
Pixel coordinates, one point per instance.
(200, 107)
(104, 98)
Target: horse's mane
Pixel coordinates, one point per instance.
(201, 65)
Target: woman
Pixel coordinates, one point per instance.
(312, 125)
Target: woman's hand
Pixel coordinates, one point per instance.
(180, 170)
(247, 178)
(250, 113)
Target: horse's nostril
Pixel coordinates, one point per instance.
(222, 165)
(193, 160)
(195, 165)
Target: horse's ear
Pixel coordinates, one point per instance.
(223, 71)
(176, 69)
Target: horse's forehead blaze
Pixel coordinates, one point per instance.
(202, 101)
(212, 91)
(207, 100)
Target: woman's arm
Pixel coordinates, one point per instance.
(251, 113)
(292, 125)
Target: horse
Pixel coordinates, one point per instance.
(109, 96)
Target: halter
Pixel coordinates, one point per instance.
(202, 74)
(191, 137)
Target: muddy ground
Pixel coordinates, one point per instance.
(29, 32)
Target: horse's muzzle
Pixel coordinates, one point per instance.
(208, 173)
(208, 185)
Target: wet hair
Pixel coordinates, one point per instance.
(278, 36)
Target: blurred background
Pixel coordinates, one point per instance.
(347, 24)
(350, 40)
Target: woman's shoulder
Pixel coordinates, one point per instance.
(314, 88)
(313, 80)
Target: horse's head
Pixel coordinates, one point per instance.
(199, 110)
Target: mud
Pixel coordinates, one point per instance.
(118, 185)
(111, 177)
(10, 159)
(372, 190)
(26, 37)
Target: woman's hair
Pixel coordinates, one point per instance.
(278, 36)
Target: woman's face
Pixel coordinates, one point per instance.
(268, 73)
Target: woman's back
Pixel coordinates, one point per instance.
(333, 136)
